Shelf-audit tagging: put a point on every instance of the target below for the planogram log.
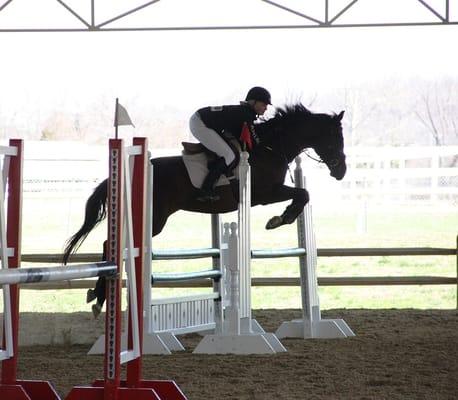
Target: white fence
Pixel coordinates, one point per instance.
(392, 175)
(66, 169)
(62, 169)
(375, 174)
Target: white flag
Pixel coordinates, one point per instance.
(122, 117)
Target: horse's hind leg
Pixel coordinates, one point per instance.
(99, 291)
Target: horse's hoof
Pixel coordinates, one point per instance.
(90, 295)
(96, 310)
(274, 222)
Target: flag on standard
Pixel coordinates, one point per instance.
(121, 116)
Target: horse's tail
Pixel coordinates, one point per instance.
(95, 213)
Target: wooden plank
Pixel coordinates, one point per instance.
(327, 252)
(270, 281)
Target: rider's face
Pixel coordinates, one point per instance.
(260, 107)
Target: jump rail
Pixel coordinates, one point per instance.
(179, 254)
(266, 282)
(188, 276)
(12, 276)
(270, 281)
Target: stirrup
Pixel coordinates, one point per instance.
(90, 295)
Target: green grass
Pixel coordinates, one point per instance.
(48, 222)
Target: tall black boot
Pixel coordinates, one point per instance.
(206, 192)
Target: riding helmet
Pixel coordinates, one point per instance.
(259, 94)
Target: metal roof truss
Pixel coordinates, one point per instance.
(96, 15)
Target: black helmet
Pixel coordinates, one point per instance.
(259, 94)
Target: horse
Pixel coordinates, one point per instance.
(291, 130)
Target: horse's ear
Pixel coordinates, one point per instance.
(339, 117)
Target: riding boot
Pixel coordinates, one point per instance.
(206, 192)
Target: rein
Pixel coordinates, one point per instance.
(333, 162)
(318, 160)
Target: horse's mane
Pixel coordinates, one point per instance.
(292, 112)
(289, 126)
(288, 115)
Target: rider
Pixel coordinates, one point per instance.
(214, 126)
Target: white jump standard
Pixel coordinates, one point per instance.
(240, 334)
(205, 312)
(311, 325)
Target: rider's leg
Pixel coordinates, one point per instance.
(215, 170)
(215, 143)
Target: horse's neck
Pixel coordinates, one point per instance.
(289, 143)
(294, 143)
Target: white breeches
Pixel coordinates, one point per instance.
(210, 139)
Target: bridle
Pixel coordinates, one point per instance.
(332, 162)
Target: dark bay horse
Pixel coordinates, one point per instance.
(291, 130)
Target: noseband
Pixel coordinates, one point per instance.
(334, 162)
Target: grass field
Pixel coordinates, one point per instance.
(48, 222)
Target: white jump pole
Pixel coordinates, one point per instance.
(311, 325)
(240, 334)
(152, 342)
(14, 276)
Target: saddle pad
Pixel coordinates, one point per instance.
(196, 164)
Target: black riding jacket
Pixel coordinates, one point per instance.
(229, 119)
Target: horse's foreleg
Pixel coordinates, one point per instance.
(300, 198)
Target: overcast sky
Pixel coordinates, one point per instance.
(190, 69)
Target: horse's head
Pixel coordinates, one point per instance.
(330, 145)
(297, 128)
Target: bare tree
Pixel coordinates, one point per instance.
(438, 110)
(438, 113)
(358, 110)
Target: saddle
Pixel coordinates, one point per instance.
(197, 157)
(193, 148)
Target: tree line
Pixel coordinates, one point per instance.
(399, 112)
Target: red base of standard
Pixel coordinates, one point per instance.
(28, 390)
(147, 390)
